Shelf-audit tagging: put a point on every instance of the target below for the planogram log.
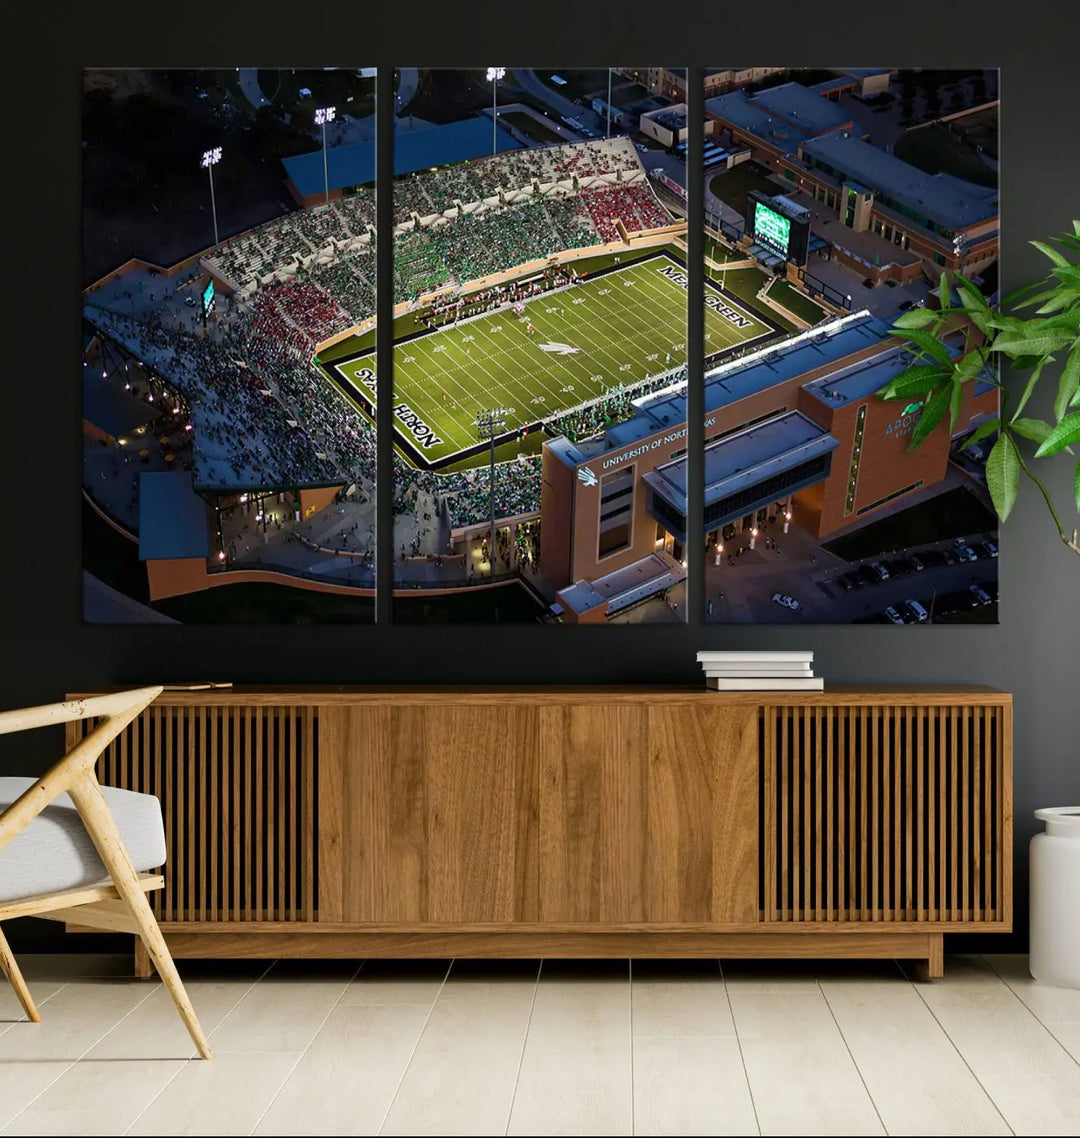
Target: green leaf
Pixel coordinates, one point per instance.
(1063, 298)
(935, 408)
(1064, 434)
(956, 401)
(982, 431)
(1046, 294)
(944, 293)
(1076, 227)
(929, 345)
(1003, 475)
(1032, 380)
(1068, 274)
(917, 380)
(1068, 385)
(974, 304)
(1051, 252)
(1030, 343)
(1076, 487)
(1034, 429)
(914, 318)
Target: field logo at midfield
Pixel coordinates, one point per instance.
(714, 302)
(586, 476)
(558, 349)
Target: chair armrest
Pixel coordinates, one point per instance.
(26, 718)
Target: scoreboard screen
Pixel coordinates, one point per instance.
(208, 297)
(771, 228)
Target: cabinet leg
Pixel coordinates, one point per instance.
(143, 968)
(933, 967)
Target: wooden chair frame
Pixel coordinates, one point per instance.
(121, 906)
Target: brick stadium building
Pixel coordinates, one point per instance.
(796, 423)
(931, 221)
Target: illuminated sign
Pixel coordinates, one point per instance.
(208, 297)
(907, 420)
(771, 228)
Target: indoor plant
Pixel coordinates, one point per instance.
(1049, 336)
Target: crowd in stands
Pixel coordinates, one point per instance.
(467, 493)
(481, 244)
(635, 206)
(310, 275)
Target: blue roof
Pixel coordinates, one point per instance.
(740, 461)
(354, 165)
(173, 519)
(802, 108)
(115, 411)
(949, 201)
(840, 83)
(865, 377)
(736, 108)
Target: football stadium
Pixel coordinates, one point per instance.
(567, 347)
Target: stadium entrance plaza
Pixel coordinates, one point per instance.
(795, 564)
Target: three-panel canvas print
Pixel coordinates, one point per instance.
(541, 358)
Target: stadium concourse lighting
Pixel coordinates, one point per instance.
(210, 159)
(494, 74)
(489, 422)
(322, 116)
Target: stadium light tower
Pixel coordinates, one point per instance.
(489, 422)
(210, 159)
(494, 74)
(322, 116)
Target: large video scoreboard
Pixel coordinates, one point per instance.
(778, 224)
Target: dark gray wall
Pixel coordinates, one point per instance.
(44, 647)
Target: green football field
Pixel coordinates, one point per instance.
(621, 328)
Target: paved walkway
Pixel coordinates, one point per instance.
(249, 84)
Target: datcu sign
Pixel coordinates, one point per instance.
(906, 421)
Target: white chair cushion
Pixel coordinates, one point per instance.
(55, 852)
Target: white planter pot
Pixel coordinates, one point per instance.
(1055, 899)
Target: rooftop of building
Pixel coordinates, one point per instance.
(747, 458)
(354, 165)
(173, 520)
(802, 107)
(863, 378)
(948, 201)
(113, 411)
(738, 109)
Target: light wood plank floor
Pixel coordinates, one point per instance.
(563, 1047)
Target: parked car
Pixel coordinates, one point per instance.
(949, 557)
(966, 553)
(981, 596)
(917, 611)
(916, 562)
(987, 549)
(784, 601)
(906, 304)
(844, 583)
(879, 571)
(892, 616)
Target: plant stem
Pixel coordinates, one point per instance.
(1071, 542)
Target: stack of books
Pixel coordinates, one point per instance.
(760, 671)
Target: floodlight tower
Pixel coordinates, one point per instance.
(494, 74)
(489, 422)
(210, 159)
(322, 116)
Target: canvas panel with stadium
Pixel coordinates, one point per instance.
(863, 193)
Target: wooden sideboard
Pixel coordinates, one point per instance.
(363, 822)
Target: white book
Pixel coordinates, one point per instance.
(762, 683)
(793, 670)
(755, 657)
